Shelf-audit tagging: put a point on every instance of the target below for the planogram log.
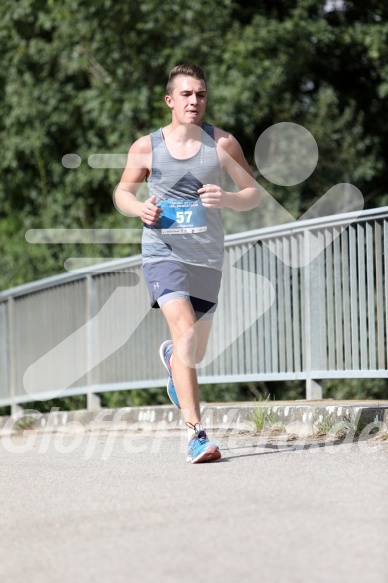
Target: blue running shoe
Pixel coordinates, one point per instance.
(200, 448)
(165, 352)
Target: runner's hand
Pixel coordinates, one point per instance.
(212, 196)
(150, 213)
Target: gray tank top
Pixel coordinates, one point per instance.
(177, 180)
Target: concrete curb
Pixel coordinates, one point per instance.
(301, 418)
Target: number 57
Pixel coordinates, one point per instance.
(180, 216)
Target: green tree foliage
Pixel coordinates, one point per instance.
(89, 78)
(294, 61)
(86, 78)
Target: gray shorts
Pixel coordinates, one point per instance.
(168, 280)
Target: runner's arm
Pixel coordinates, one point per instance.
(232, 159)
(137, 169)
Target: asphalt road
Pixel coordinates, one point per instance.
(124, 507)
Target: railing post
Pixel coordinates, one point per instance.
(93, 399)
(312, 316)
(313, 389)
(15, 407)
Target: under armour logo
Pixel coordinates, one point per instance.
(156, 285)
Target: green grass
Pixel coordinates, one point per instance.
(264, 417)
(25, 423)
(331, 424)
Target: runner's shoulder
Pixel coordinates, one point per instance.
(142, 145)
(226, 141)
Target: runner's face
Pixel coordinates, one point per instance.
(188, 100)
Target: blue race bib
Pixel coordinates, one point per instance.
(182, 217)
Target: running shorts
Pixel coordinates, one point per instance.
(168, 280)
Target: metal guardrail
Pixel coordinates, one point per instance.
(307, 300)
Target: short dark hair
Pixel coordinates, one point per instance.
(185, 69)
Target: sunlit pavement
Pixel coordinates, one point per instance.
(127, 507)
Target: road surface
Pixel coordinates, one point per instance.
(123, 507)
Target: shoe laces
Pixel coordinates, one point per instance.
(200, 435)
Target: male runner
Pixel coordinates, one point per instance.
(183, 240)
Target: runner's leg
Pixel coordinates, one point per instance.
(181, 321)
(203, 332)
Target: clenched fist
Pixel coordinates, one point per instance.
(212, 196)
(150, 212)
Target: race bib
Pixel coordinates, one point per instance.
(182, 216)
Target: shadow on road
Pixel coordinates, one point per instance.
(284, 448)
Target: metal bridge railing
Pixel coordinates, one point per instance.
(307, 300)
